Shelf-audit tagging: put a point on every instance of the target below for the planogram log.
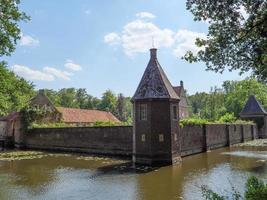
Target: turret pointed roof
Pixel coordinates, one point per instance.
(154, 83)
(253, 108)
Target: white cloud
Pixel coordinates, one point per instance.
(112, 38)
(185, 41)
(72, 66)
(27, 40)
(46, 74)
(145, 15)
(31, 74)
(138, 35)
(57, 73)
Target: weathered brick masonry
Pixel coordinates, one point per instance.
(199, 138)
(100, 140)
(118, 140)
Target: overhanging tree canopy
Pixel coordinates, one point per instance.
(237, 35)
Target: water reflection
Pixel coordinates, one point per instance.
(68, 177)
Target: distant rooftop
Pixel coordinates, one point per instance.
(253, 108)
(75, 115)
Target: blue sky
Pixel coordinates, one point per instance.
(100, 45)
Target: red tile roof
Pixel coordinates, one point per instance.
(74, 115)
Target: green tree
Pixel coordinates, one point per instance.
(67, 98)
(235, 40)
(237, 96)
(82, 98)
(53, 96)
(121, 107)
(108, 102)
(15, 92)
(124, 108)
(10, 16)
(231, 99)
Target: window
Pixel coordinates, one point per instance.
(143, 112)
(174, 112)
(161, 137)
(143, 137)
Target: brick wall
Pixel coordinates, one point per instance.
(192, 139)
(196, 138)
(115, 140)
(235, 134)
(216, 136)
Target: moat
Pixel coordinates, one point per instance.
(72, 176)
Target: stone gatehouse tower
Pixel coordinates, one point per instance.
(156, 131)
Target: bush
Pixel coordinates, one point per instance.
(62, 124)
(192, 121)
(227, 118)
(255, 190)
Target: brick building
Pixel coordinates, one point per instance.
(183, 104)
(156, 108)
(75, 116)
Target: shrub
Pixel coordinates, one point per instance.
(192, 121)
(227, 118)
(62, 124)
(255, 190)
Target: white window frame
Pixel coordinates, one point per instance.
(143, 112)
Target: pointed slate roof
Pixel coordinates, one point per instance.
(253, 108)
(154, 83)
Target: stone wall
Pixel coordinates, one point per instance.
(115, 140)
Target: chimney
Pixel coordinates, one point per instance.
(181, 83)
(153, 53)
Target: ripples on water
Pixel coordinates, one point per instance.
(70, 177)
(249, 154)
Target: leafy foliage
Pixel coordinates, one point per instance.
(227, 118)
(15, 92)
(231, 98)
(237, 35)
(192, 121)
(33, 114)
(64, 125)
(9, 28)
(108, 102)
(120, 105)
(255, 190)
